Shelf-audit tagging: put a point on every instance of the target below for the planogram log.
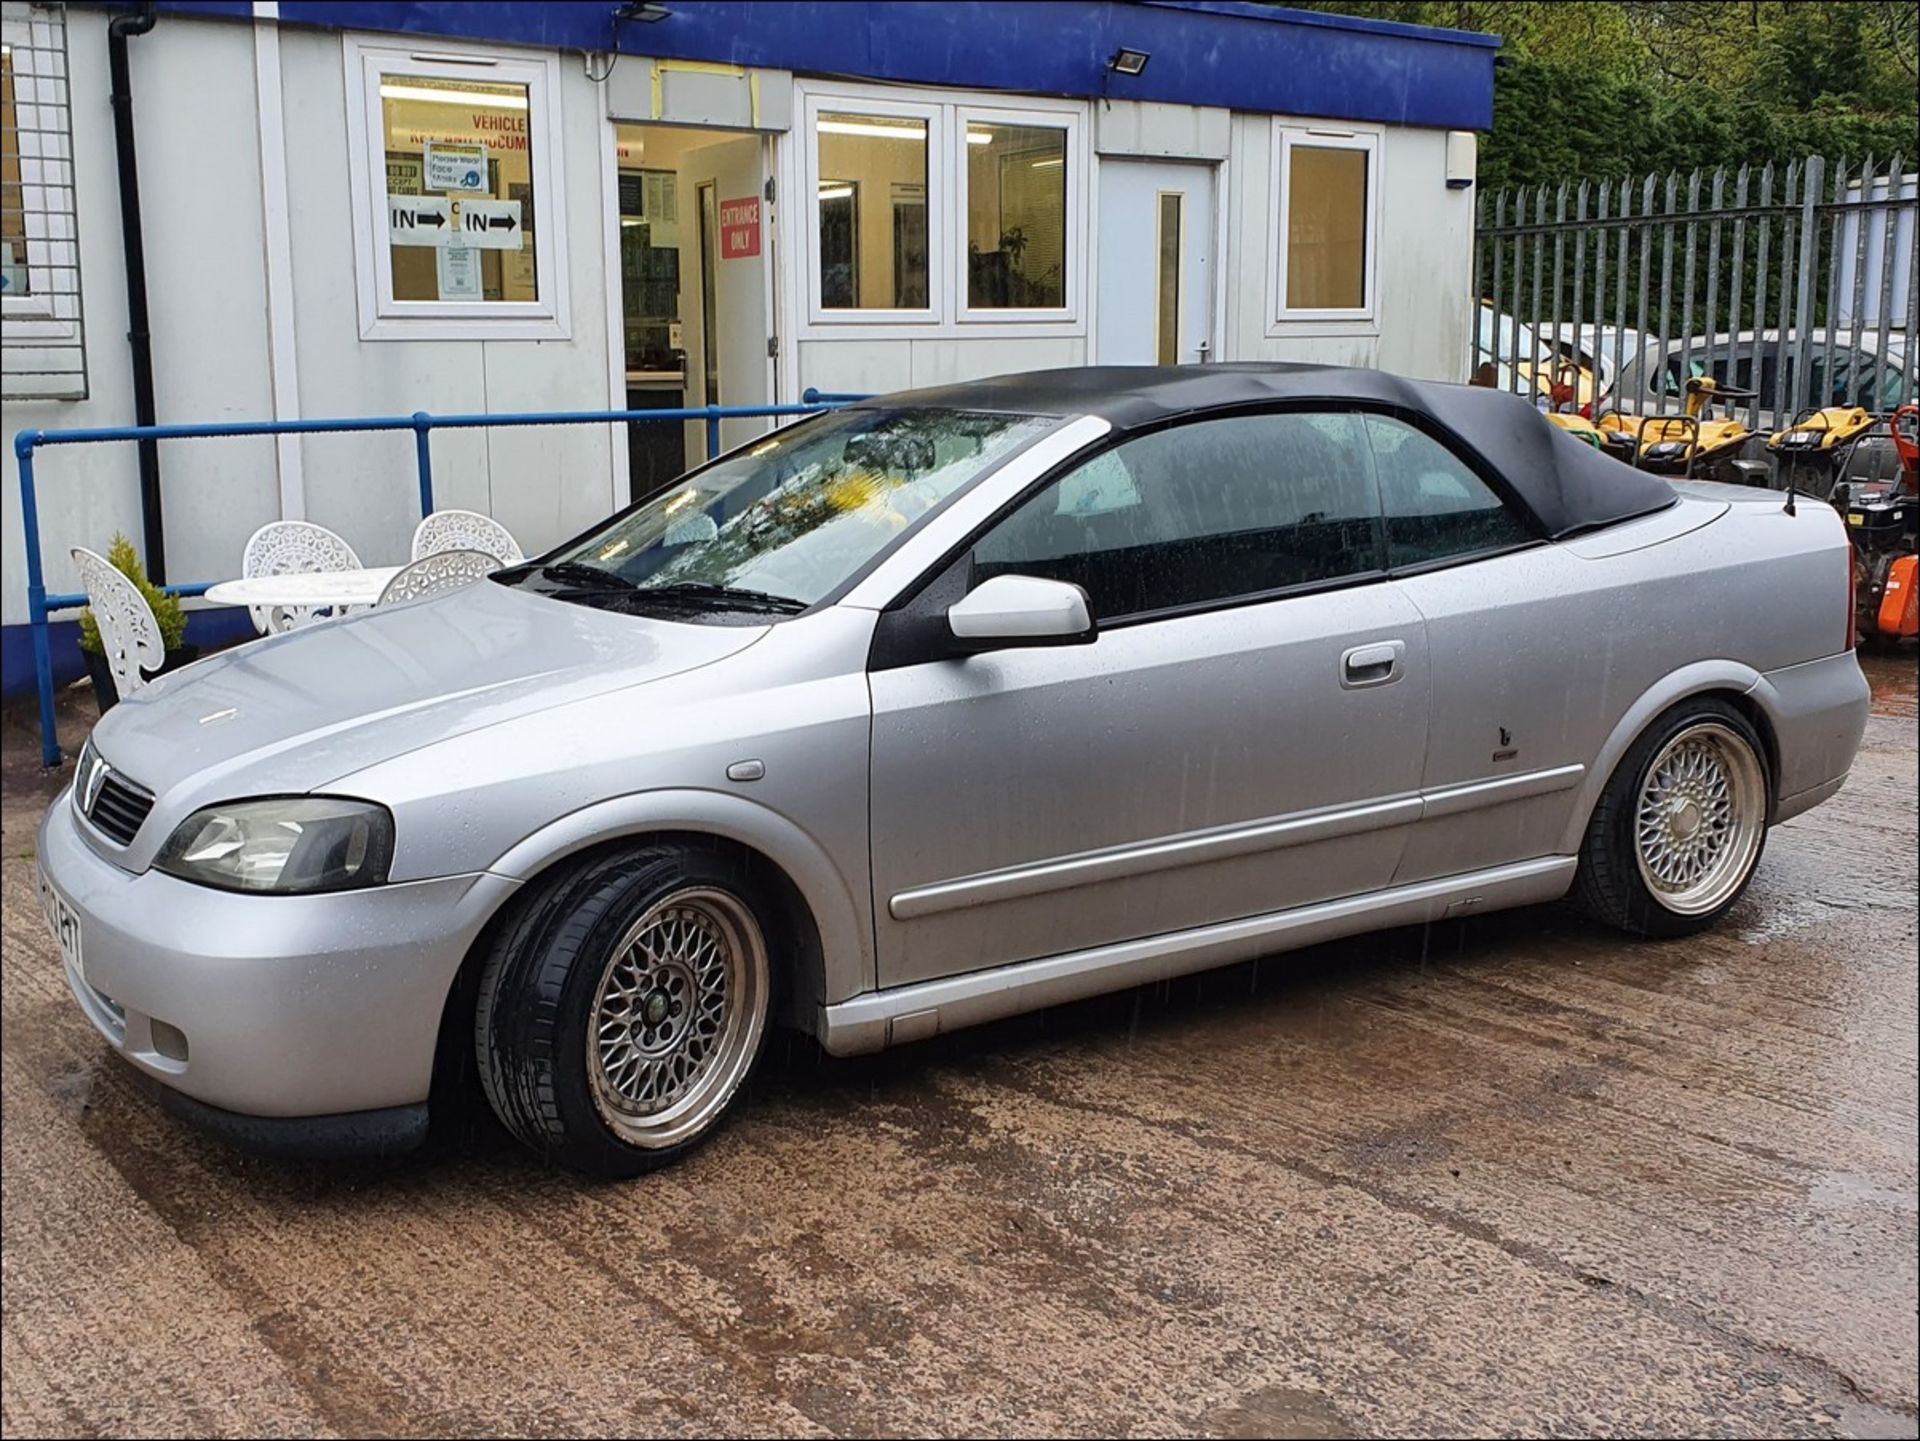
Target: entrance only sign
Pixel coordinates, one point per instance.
(740, 228)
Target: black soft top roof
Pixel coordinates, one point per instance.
(1567, 484)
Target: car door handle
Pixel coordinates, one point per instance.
(1369, 665)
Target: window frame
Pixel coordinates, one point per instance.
(1120, 440)
(934, 116)
(909, 594)
(1514, 507)
(381, 316)
(48, 314)
(1074, 253)
(1281, 319)
(946, 317)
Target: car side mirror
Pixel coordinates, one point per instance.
(1020, 610)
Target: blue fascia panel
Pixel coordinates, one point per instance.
(1204, 52)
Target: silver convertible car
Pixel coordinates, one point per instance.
(945, 706)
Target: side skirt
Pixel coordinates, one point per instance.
(912, 1013)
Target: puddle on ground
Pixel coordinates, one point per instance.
(1279, 1411)
(1895, 679)
(1837, 1190)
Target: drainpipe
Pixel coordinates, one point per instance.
(139, 336)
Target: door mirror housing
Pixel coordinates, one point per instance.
(1020, 610)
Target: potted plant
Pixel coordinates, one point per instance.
(166, 611)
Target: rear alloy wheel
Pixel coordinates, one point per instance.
(1700, 819)
(1679, 831)
(624, 1005)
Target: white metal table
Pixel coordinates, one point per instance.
(306, 589)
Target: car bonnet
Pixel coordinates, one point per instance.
(290, 713)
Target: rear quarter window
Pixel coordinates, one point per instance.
(1436, 508)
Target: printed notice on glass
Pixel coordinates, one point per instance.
(453, 166)
(489, 224)
(419, 220)
(459, 269)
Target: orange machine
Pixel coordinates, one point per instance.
(1883, 521)
(1900, 600)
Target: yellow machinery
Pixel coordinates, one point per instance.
(1813, 451)
(1561, 383)
(1619, 444)
(1683, 444)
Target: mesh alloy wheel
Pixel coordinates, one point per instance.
(1699, 818)
(676, 1017)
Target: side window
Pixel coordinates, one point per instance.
(1204, 512)
(1435, 507)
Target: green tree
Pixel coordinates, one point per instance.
(1596, 90)
(166, 608)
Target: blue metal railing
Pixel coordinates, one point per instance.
(40, 605)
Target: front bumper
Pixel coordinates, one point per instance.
(389, 1131)
(291, 1006)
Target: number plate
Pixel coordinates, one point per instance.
(64, 922)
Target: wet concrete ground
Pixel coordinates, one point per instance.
(1519, 1176)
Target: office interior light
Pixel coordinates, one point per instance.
(453, 97)
(903, 130)
(1128, 62)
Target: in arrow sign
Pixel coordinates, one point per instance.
(500, 222)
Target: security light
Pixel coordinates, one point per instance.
(1128, 62)
(642, 10)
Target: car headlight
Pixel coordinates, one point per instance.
(295, 845)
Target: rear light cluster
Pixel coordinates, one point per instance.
(1853, 598)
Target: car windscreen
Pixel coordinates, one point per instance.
(777, 526)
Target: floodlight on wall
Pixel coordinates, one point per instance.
(645, 11)
(1128, 62)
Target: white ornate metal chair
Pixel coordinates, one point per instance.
(465, 530)
(128, 632)
(443, 570)
(294, 547)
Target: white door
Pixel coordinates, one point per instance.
(725, 276)
(1156, 263)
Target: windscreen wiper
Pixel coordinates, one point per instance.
(705, 594)
(579, 573)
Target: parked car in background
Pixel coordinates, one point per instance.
(1864, 369)
(1551, 376)
(1599, 350)
(936, 709)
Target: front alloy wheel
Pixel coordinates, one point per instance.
(623, 1005)
(677, 1017)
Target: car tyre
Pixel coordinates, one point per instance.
(624, 1004)
(1681, 826)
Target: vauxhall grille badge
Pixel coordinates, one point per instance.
(91, 782)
